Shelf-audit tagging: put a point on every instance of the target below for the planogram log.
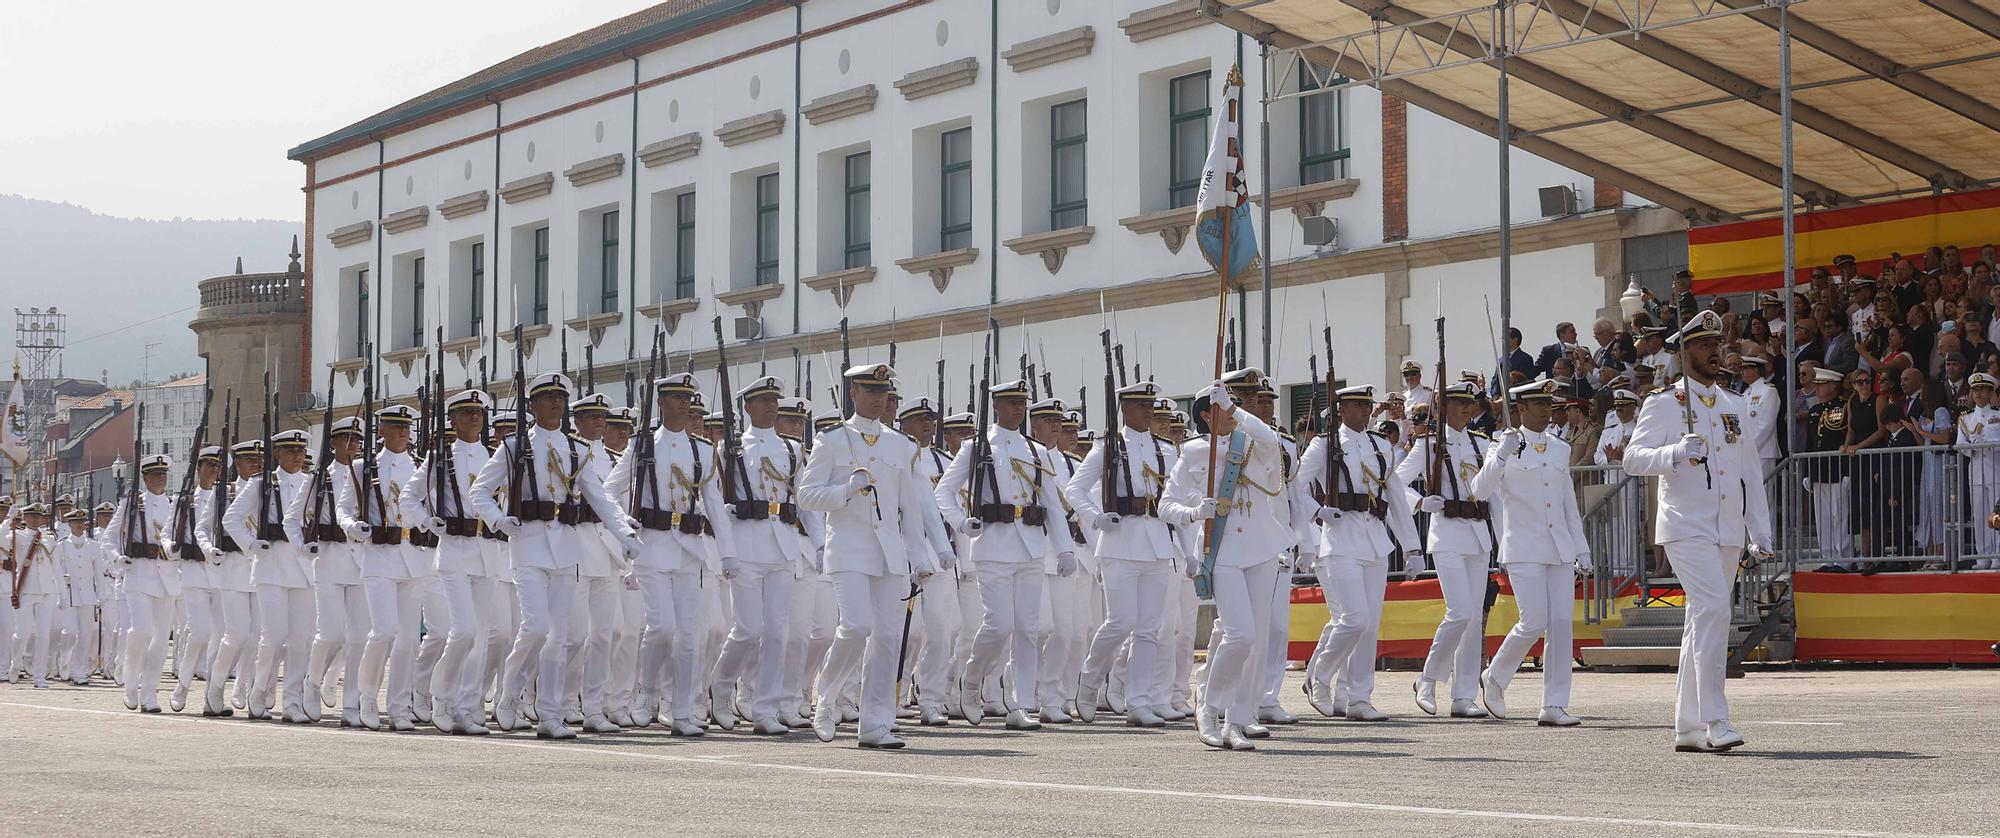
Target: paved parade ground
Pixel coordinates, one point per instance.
(1831, 752)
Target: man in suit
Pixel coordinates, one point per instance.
(1565, 339)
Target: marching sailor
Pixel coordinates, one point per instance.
(341, 626)
(669, 480)
(1016, 522)
(539, 520)
(393, 571)
(1238, 516)
(593, 617)
(1364, 525)
(282, 576)
(457, 692)
(1542, 547)
(1712, 507)
(150, 585)
(81, 558)
(234, 588)
(938, 615)
(194, 648)
(770, 544)
(1262, 400)
(1136, 553)
(809, 625)
(1065, 623)
(1461, 544)
(36, 576)
(621, 693)
(883, 532)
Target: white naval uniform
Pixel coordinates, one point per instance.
(1460, 549)
(1298, 519)
(1542, 546)
(1064, 630)
(620, 691)
(594, 614)
(1707, 515)
(936, 642)
(545, 555)
(1981, 425)
(340, 607)
(1354, 552)
(460, 562)
(876, 542)
(1246, 565)
(235, 594)
(194, 647)
(81, 559)
(1137, 559)
(1010, 556)
(282, 575)
(673, 567)
(151, 586)
(1764, 410)
(39, 585)
(768, 549)
(393, 582)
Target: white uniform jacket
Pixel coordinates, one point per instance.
(558, 476)
(456, 554)
(232, 571)
(1982, 465)
(1723, 504)
(1539, 523)
(1617, 433)
(1254, 533)
(1369, 461)
(1464, 455)
(1022, 478)
(79, 558)
(1763, 410)
(286, 564)
(1147, 462)
(684, 480)
(880, 532)
(36, 569)
(145, 577)
(335, 562)
(772, 464)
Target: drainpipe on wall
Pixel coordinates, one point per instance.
(632, 228)
(993, 162)
(492, 312)
(381, 284)
(798, 128)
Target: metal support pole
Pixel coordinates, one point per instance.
(1264, 207)
(1790, 394)
(1503, 37)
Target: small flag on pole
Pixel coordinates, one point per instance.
(1222, 227)
(14, 422)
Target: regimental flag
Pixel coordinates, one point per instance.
(1222, 207)
(1750, 255)
(14, 424)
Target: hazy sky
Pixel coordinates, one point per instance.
(165, 110)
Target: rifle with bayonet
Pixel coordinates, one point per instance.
(844, 398)
(732, 445)
(136, 544)
(1114, 436)
(232, 414)
(184, 544)
(270, 527)
(319, 526)
(521, 462)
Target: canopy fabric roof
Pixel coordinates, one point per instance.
(1891, 98)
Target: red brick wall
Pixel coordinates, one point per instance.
(1395, 170)
(1605, 195)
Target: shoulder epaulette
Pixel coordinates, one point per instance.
(1072, 457)
(789, 437)
(1287, 436)
(1479, 434)
(1378, 435)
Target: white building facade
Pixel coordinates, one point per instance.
(915, 167)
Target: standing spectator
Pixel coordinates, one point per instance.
(1885, 356)
(1953, 378)
(1929, 421)
(1565, 338)
(1919, 335)
(1605, 332)
(1864, 432)
(1861, 306)
(1838, 350)
(1906, 290)
(1845, 266)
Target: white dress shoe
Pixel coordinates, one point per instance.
(504, 711)
(131, 696)
(1256, 731)
(1274, 714)
(258, 711)
(1556, 717)
(932, 717)
(349, 718)
(1018, 719)
(1168, 712)
(722, 705)
(1055, 716)
(620, 717)
(149, 705)
(554, 729)
(968, 696)
(1493, 696)
(178, 700)
(402, 724)
(1143, 717)
(885, 741)
(793, 720)
(311, 710)
(441, 716)
(327, 696)
(1087, 698)
(1234, 739)
(420, 710)
(849, 711)
(1319, 694)
(1181, 706)
(572, 716)
(1722, 736)
(1209, 728)
(825, 721)
(644, 705)
(1466, 708)
(467, 727)
(1362, 711)
(297, 716)
(596, 723)
(687, 727)
(1427, 695)
(770, 726)
(995, 708)
(1692, 741)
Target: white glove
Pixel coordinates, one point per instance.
(356, 531)
(263, 545)
(731, 568)
(856, 482)
(819, 561)
(312, 549)
(511, 524)
(630, 581)
(1510, 442)
(1191, 567)
(1328, 514)
(1433, 504)
(1692, 447)
(1221, 399)
(1304, 563)
(946, 559)
(1206, 510)
(973, 526)
(1105, 521)
(1065, 564)
(1758, 551)
(434, 525)
(1583, 565)
(1413, 564)
(215, 554)
(631, 523)
(631, 543)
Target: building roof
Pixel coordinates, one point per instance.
(608, 40)
(194, 380)
(1891, 97)
(96, 402)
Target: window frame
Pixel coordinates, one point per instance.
(417, 301)
(857, 254)
(607, 262)
(765, 271)
(953, 236)
(1057, 144)
(1336, 159)
(1190, 186)
(476, 325)
(538, 278)
(684, 245)
(361, 341)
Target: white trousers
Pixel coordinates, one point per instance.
(505, 604)
(37, 615)
(1456, 648)
(1985, 540)
(7, 611)
(1235, 672)
(1135, 607)
(593, 618)
(1707, 573)
(455, 681)
(1357, 587)
(630, 626)
(1065, 636)
(194, 650)
(544, 596)
(395, 609)
(758, 598)
(936, 666)
(1011, 593)
(1546, 595)
(1278, 635)
(339, 635)
(83, 655)
(146, 644)
(285, 636)
(673, 626)
(871, 622)
(1176, 663)
(434, 618)
(1830, 522)
(238, 649)
(815, 616)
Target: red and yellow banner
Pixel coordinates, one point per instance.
(1411, 612)
(1750, 255)
(1900, 617)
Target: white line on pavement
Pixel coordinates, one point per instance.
(1031, 784)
